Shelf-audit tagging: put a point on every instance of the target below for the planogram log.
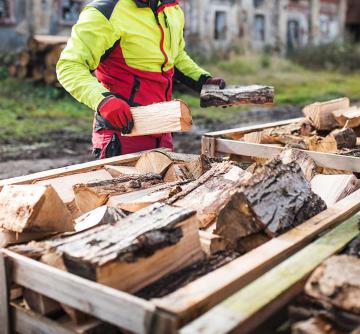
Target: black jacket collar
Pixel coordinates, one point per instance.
(151, 3)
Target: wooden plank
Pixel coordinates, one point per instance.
(74, 169)
(205, 292)
(251, 128)
(28, 322)
(328, 160)
(102, 302)
(4, 295)
(251, 306)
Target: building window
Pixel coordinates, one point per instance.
(258, 3)
(70, 11)
(293, 34)
(260, 27)
(7, 14)
(220, 25)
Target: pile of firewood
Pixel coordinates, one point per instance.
(330, 127)
(38, 61)
(132, 226)
(331, 299)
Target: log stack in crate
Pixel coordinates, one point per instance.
(38, 61)
(160, 223)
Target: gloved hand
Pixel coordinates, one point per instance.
(117, 112)
(216, 82)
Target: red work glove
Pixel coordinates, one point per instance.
(216, 82)
(117, 112)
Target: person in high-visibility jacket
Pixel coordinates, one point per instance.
(125, 53)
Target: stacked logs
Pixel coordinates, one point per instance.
(38, 61)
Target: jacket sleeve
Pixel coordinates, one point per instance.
(91, 37)
(186, 70)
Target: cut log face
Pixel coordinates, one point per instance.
(337, 282)
(345, 138)
(104, 215)
(320, 114)
(212, 96)
(305, 162)
(166, 117)
(91, 195)
(32, 208)
(133, 253)
(117, 171)
(320, 144)
(154, 162)
(210, 192)
(349, 117)
(211, 243)
(333, 188)
(273, 200)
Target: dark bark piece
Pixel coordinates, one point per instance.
(132, 253)
(179, 279)
(212, 96)
(273, 200)
(91, 195)
(354, 248)
(345, 138)
(210, 192)
(337, 282)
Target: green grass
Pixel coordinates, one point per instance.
(31, 113)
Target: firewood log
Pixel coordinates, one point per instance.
(320, 144)
(337, 282)
(129, 255)
(117, 171)
(212, 96)
(273, 200)
(89, 196)
(349, 117)
(8, 238)
(41, 304)
(345, 138)
(320, 114)
(315, 325)
(210, 192)
(211, 243)
(33, 208)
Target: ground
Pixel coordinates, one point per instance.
(43, 127)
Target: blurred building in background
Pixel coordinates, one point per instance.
(281, 25)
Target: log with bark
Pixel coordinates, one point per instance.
(320, 114)
(212, 96)
(33, 208)
(210, 192)
(349, 117)
(345, 138)
(129, 255)
(89, 196)
(273, 200)
(165, 117)
(117, 171)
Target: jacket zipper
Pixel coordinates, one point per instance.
(163, 52)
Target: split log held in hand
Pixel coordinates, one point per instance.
(273, 200)
(213, 96)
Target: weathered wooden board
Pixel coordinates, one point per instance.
(248, 308)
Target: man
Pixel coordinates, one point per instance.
(125, 53)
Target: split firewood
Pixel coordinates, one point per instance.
(320, 114)
(345, 138)
(331, 171)
(177, 172)
(251, 242)
(333, 188)
(41, 304)
(321, 144)
(306, 163)
(8, 238)
(138, 200)
(89, 196)
(104, 215)
(131, 254)
(212, 96)
(211, 243)
(64, 186)
(337, 282)
(348, 117)
(315, 325)
(117, 171)
(273, 200)
(165, 117)
(33, 208)
(210, 192)
(41, 43)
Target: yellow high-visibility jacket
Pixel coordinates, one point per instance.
(128, 49)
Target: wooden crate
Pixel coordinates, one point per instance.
(213, 143)
(163, 315)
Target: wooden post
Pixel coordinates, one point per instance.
(4, 296)
(208, 146)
